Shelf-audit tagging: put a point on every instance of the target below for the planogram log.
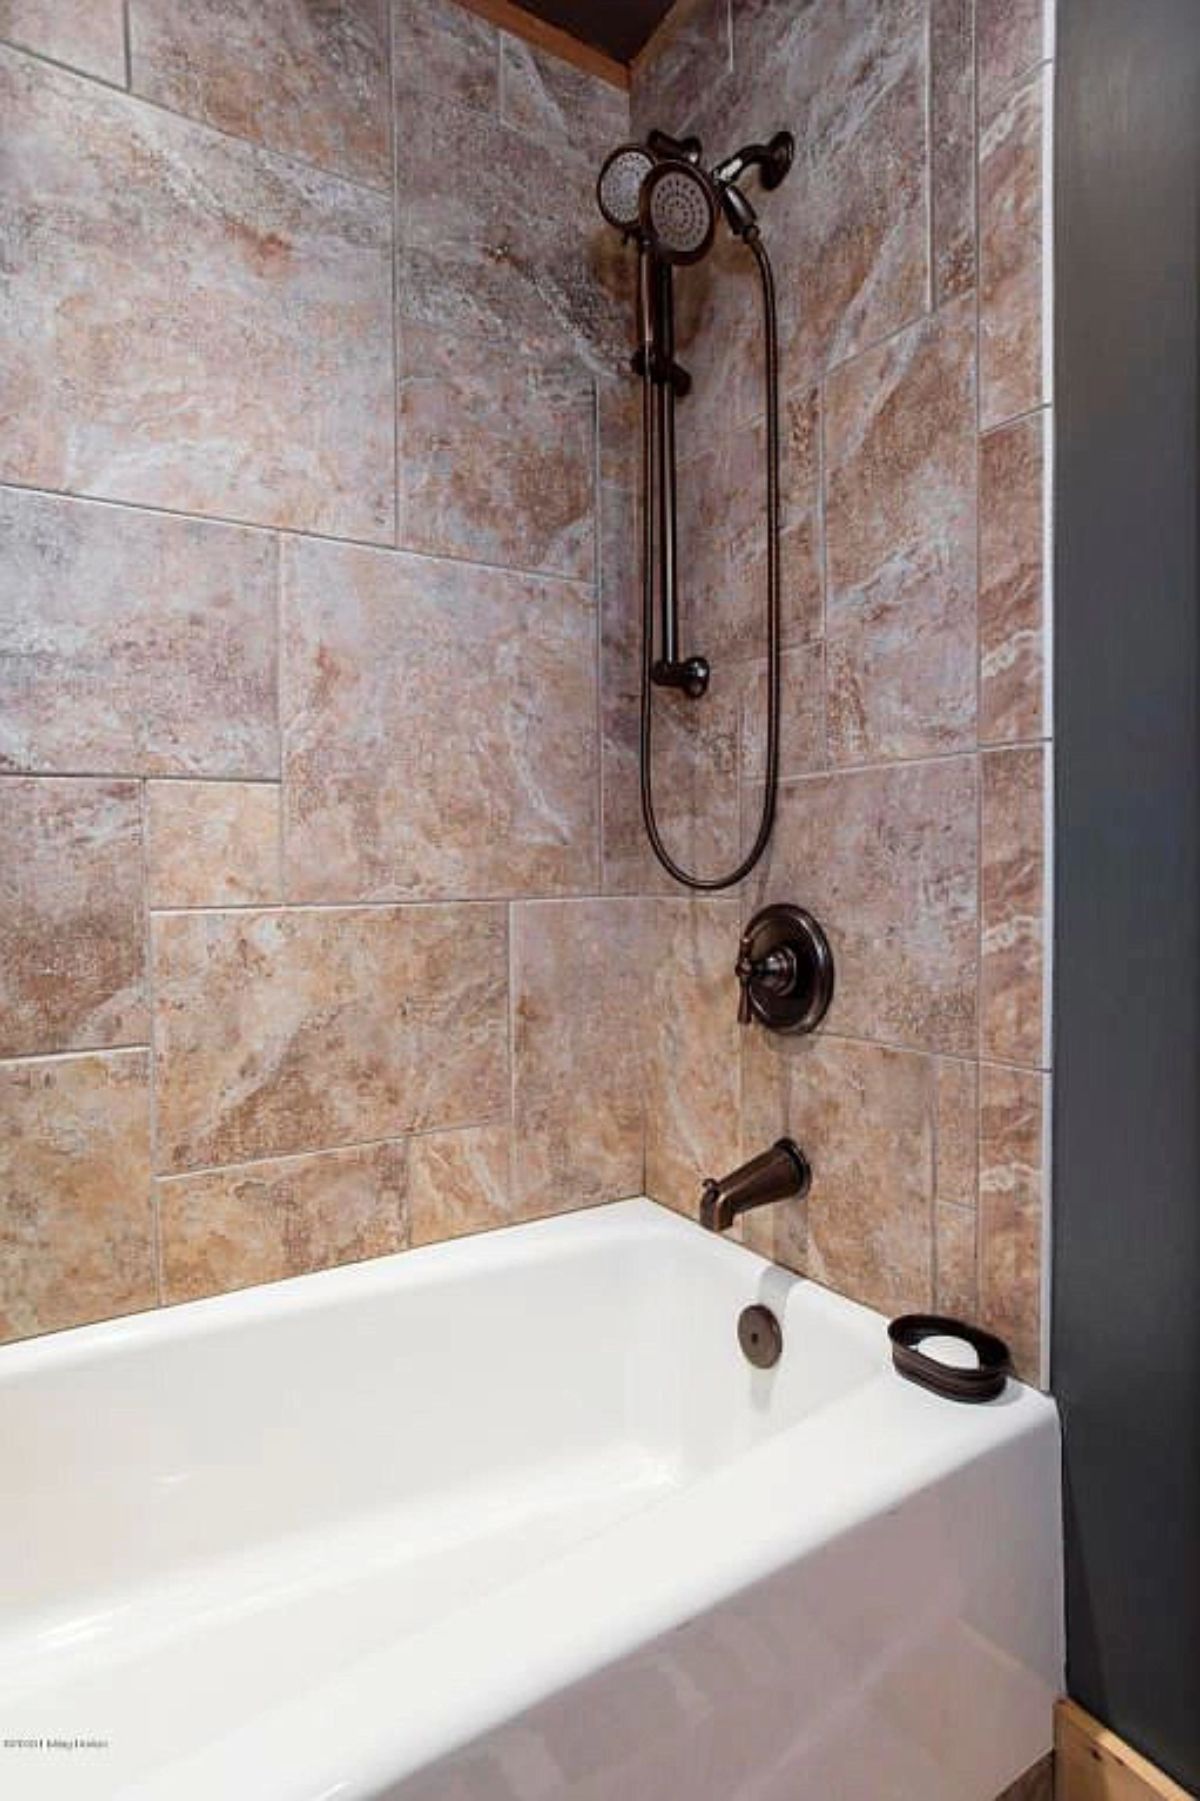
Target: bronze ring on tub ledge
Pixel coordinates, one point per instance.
(982, 1382)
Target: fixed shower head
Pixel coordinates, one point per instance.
(619, 186)
(678, 212)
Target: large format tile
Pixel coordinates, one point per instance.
(447, 51)
(213, 844)
(722, 535)
(287, 1031)
(559, 105)
(505, 242)
(231, 1228)
(311, 80)
(72, 943)
(864, 1115)
(675, 86)
(900, 535)
(1011, 373)
(1013, 906)
(886, 859)
(132, 643)
(1012, 40)
(692, 1087)
(952, 146)
(578, 1010)
(1011, 1201)
(849, 227)
(439, 729)
(497, 455)
(459, 1182)
(76, 1222)
(89, 35)
(956, 1262)
(190, 322)
(1012, 559)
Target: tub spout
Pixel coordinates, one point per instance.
(781, 1174)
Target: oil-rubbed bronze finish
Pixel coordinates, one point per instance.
(760, 1336)
(785, 967)
(781, 1174)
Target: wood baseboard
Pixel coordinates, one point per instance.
(1092, 1764)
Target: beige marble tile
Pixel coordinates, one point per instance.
(213, 844)
(132, 643)
(76, 1225)
(1012, 40)
(864, 1115)
(849, 227)
(801, 717)
(280, 1032)
(190, 322)
(957, 1132)
(952, 146)
(1011, 373)
(692, 1084)
(88, 35)
(886, 859)
(695, 744)
(722, 528)
(619, 419)
(309, 80)
(233, 1228)
(1012, 672)
(900, 533)
(1012, 904)
(497, 455)
(439, 725)
(505, 241)
(1011, 1199)
(459, 1182)
(72, 941)
(956, 1288)
(558, 105)
(686, 65)
(442, 48)
(579, 976)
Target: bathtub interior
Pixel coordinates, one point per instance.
(278, 1483)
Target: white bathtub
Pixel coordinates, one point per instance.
(513, 1518)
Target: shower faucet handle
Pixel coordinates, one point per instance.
(785, 970)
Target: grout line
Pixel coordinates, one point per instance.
(1013, 419)
(127, 34)
(511, 1011)
(399, 525)
(152, 1055)
(72, 1055)
(400, 905)
(168, 1178)
(279, 715)
(288, 532)
(138, 775)
(931, 224)
(253, 145)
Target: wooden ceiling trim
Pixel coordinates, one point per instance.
(550, 38)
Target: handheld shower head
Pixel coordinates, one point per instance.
(619, 186)
(679, 208)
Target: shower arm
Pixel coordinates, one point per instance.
(654, 500)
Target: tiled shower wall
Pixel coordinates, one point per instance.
(326, 926)
(304, 954)
(909, 244)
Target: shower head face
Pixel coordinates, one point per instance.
(679, 207)
(619, 187)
